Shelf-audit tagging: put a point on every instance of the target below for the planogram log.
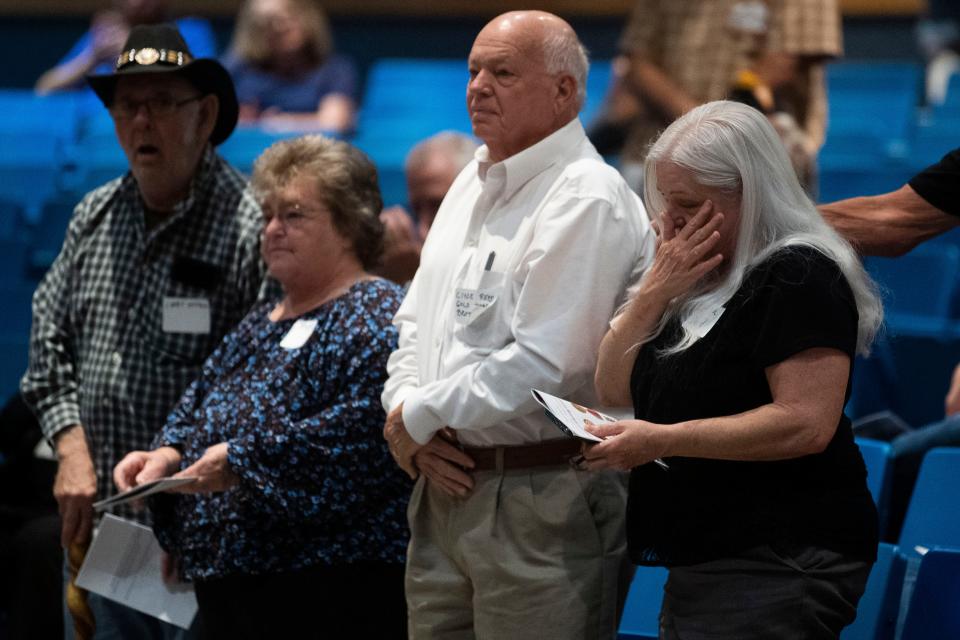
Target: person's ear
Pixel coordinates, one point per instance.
(566, 93)
(209, 110)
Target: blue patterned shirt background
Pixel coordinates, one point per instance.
(304, 427)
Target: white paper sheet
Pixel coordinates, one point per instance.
(123, 564)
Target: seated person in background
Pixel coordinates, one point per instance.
(97, 50)
(736, 353)
(285, 70)
(430, 168)
(297, 518)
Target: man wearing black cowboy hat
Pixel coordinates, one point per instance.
(157, 265)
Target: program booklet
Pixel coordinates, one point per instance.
(572, 418)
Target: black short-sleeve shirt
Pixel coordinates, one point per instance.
(703, 509)
(939, 184)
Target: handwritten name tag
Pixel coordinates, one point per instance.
(186, 315)
(299, 333)
(700, 324)
(470, 302)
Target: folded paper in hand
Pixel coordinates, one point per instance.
(572, 418)
(141, 491)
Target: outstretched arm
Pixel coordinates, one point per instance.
(889, 224)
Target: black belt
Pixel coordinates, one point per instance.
(551, 453)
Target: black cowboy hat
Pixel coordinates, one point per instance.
(159, 48)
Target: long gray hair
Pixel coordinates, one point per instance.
(734, 148)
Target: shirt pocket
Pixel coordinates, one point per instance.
(181, 348)
(480, 315)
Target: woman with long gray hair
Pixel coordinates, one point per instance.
(736, 352)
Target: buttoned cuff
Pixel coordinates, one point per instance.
(421, 423)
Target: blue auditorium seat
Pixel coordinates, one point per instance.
(873, 98)
(880, 603)
(26, 112)
(906, 374)
(13, 261)
(50, 232)
(641, 613)
(933, 517)
(934, 609)
(95, 159)
(36, 132)
(919, 287)
(11, 219)
(15, 351)
(872, 115)
(932, 139)
(30, 167)
(876, 457)
(598, 81)
(246, 144)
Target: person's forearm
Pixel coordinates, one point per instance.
(808, 393)
(890, 224)
(657, 90)
(71, 442)
(770, 432)
(619, 347)
(68, 75)
(336, 113)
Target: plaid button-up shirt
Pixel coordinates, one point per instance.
(99, 355)
(701, 45)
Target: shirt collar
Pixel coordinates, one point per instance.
(519, 168)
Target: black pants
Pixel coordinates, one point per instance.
(359, 601)
(761, 593)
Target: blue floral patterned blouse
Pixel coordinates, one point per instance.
(317, 483)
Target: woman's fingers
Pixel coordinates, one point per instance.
(668, 228)
(703, 215)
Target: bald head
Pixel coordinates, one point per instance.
(527, 71)
(431, 167)
(551, 39)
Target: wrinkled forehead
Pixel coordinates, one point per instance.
(508, 39)
(146, 84)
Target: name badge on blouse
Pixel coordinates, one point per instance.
(470, 302)
(299, 333)
(701, 323)
(186, 315)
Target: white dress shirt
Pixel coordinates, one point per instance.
(521, 272)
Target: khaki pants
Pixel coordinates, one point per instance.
(531, 553)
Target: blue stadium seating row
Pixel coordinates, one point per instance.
(875, 140)
(877, 137)
(914, 585)
(56, 148)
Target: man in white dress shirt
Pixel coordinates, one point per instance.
(529, 256)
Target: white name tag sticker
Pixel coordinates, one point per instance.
(469, 302)
(700, 324)
(186, 315)
(299, 333)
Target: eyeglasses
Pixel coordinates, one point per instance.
(157, 106)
